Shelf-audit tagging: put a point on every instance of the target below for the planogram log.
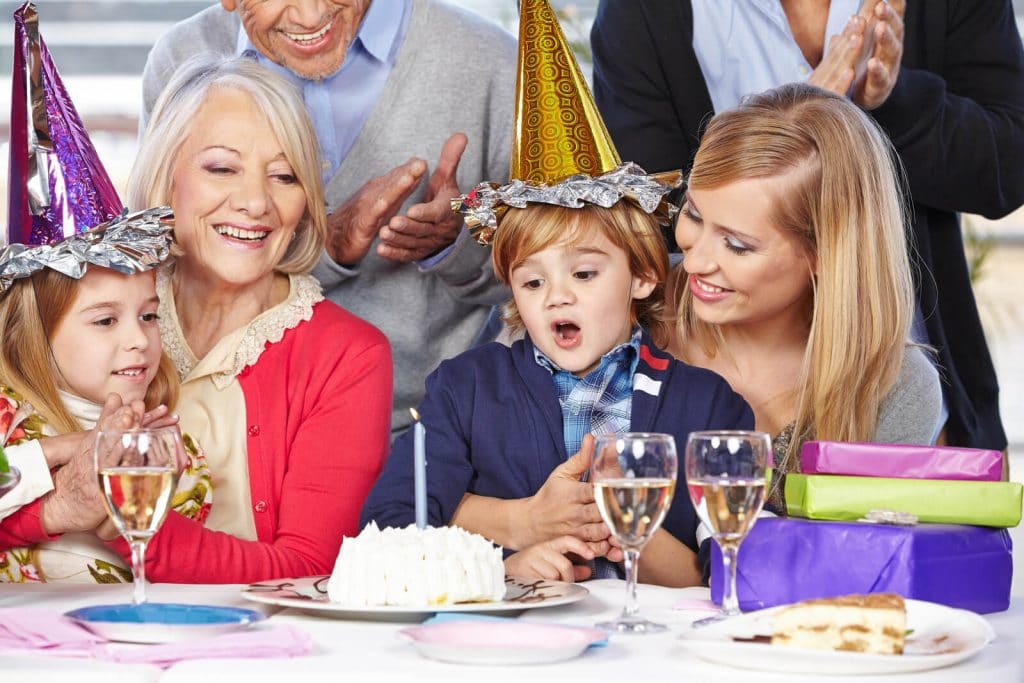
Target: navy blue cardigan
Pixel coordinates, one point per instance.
(494, 428)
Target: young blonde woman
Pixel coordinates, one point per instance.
(795, 283)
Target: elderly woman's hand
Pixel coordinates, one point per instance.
(76, 502)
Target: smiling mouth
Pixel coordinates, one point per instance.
(241, 233)
(309, 38)
(707, 287)
(130, 372)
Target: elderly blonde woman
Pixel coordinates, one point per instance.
(796, 284)
(290, 394)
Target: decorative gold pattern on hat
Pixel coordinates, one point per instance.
(557, 130)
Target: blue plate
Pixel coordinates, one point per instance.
(156, 622)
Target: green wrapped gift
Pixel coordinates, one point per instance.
(4, 466)
(841, 498)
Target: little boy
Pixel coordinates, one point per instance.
(587, 286)
(586, 263)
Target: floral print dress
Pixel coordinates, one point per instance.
(83, 557)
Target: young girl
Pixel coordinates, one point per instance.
(796, 283)
(79, 355)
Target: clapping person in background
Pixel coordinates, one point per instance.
(508, 428)
(795, 283)
(290, 394)
(945, 81)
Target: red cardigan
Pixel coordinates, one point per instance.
(318, 410)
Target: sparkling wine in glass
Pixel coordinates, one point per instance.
(725, 477)
(634, 477)
(138, 473)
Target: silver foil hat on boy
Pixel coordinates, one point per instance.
(562, 153)
(63, 211)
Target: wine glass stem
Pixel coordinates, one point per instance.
(632, 561)
(139, 571)
(730, 602)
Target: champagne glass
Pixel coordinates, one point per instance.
(725, 477)
(138, 473)
(634, 477)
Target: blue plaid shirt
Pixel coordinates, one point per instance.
(599, 403)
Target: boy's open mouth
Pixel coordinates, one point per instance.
(567, 334)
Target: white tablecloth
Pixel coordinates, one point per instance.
(373, 651)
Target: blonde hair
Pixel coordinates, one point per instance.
(524, 232)
(30, 312)
(839, 194)
(151, 177)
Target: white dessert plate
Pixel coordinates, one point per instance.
(939, 636)
(501, 642)
(158, 622)
(310, 593)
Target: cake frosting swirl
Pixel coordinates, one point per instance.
(413, 567)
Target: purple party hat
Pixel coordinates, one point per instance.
(58, 186)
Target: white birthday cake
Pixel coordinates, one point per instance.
(413, 567)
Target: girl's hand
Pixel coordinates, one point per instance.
(548, 560)
(159, 417)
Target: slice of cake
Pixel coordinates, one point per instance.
(413, 567)
(874, 623)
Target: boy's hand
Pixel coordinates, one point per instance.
(564, 505)
(548, 560)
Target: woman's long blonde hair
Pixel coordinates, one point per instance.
(841, 198)
(30, 313)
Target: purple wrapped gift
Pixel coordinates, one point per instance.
(900, 461)
(784, 560)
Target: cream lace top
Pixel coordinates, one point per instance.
(212, 403)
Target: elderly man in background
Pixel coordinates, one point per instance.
(388, 83)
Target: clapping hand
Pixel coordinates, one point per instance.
(426, 228)
(883, 66)
(864, 59)
(353, 226)
(431, 225)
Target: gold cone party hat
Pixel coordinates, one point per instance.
(558, 131)
(562, 154)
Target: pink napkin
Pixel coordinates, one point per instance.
(283, 641)
(43, 631)
(31, 628)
